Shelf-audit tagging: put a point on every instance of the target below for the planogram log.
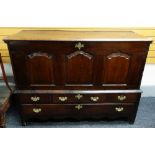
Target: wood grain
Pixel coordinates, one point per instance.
(64, 35)
(4, 31)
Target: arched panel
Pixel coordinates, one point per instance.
(116, 66)
(79, 68)
(40, 69)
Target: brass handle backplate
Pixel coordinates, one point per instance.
(35, 98)
(63, 98)
(36, 110)
(78, 96)
(121, 98)
(79, 45)
(78, 107)
(119, 109)
(94, 99)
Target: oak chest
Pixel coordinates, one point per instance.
(77, 75)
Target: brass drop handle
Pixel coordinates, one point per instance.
(121, 98)
(94, 99)
(35, 98)
(78, 107)
(78, 96)
(119, 109)
(79, 45)
(36, 110)
(63, 98)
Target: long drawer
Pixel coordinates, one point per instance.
(78, 98)
(76, 111)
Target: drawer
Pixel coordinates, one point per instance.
(78, 98)
(76, 111)
(123, 97)
(97, 98)
(35, 98)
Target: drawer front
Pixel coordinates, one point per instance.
(35, 98)
(76, 111)
(97, 98)
(78, 98)
(123, 97)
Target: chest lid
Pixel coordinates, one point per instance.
(65, 35)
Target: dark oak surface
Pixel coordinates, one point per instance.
(63, 35)
(59, 65)
(42, 67)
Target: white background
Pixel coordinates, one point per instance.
(80, 13)
(90, 13)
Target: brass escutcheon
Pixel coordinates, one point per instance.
(79, 45)
(78, 107)
(78, 96)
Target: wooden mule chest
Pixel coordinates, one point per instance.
(77, 75)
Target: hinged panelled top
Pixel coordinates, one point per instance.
(62, 35)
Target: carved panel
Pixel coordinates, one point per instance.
(39, 54)
(79, 68)
(79, 53)
(116, 66)
(40, 69)
(115, 55)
